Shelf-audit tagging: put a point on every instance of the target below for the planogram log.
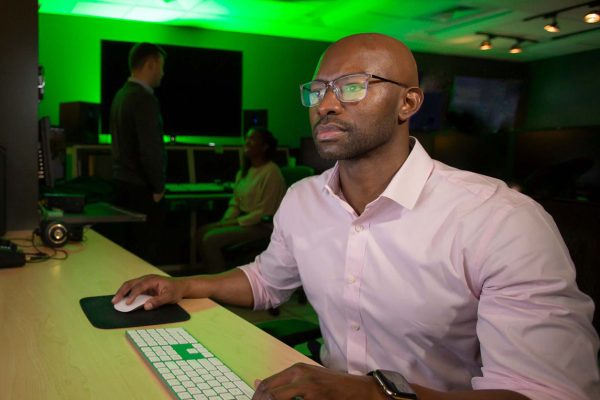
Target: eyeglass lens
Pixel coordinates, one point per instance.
(349, 88)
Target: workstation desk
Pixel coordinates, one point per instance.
(49, 350)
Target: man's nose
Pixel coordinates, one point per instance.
(330, 103)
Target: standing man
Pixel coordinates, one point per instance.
(418, 271)
(138, 150)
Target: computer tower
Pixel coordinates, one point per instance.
(2, 191)
(80, 120)
(255, 118)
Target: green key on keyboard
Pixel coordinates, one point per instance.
(188, 368)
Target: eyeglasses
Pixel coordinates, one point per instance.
(347, 88)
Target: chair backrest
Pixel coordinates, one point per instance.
(294, 174)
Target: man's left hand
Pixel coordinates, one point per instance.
(309, 382)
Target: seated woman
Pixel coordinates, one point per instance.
(258, 190)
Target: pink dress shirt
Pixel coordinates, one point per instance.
(448, 277)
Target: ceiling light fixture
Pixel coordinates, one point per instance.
(486, 44)
(552, 27)
(592, 17)
(515, 48)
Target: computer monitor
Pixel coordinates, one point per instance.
(217, 164)
(177, 166)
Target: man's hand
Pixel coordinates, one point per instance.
(157, 197)
(165, 290)
(310, 382)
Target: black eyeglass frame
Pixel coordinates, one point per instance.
(331, 84)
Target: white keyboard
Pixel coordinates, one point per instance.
(186, 366)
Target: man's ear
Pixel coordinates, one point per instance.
(412, 103)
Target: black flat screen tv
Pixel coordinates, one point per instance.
(200, 94)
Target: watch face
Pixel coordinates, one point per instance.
(395, 385)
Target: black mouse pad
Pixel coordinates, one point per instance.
(101, 313)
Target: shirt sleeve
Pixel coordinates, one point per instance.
(534, 325)
(274, 275)
(270, 191)
(148, 128)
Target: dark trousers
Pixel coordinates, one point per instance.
(141, 238)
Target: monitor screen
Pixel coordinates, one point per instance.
(217, 164)
(177, 166)
(482, 105)
(200, 94)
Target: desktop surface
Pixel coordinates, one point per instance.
(51, 351)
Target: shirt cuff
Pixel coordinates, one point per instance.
(261, 298)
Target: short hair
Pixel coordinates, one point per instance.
(140, 52)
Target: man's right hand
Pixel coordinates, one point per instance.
(164, 290)
(157, 197)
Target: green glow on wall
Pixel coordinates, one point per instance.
(69, 50)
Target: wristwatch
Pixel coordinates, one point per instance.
(394, 385)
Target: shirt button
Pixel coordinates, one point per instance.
(358, 228)
(355, 327)
(351, 279)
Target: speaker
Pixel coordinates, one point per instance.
(2, 191)
(80, 120)
(57, 233)
(255, 118)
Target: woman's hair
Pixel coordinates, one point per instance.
(267, 138)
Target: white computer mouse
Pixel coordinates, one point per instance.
(137, 303)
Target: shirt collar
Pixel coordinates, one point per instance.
(406, 185)
(142, 84)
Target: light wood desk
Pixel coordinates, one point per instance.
(49, 350)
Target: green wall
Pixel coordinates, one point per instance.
(564, 92)
(69, 50)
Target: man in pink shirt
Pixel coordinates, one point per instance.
(419, 272)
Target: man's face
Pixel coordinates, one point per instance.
(157, 64)
(345, 131)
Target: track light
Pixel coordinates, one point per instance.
(552, 27)
(592, 17)
(486, 44)
(516, 48)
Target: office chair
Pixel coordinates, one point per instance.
(292, 175)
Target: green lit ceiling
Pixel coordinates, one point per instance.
(444, 26)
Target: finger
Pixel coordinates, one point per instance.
(282, 378)
(166, 295)
(293, 390)
(168, 291)
(148, 284)
(123, 290)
